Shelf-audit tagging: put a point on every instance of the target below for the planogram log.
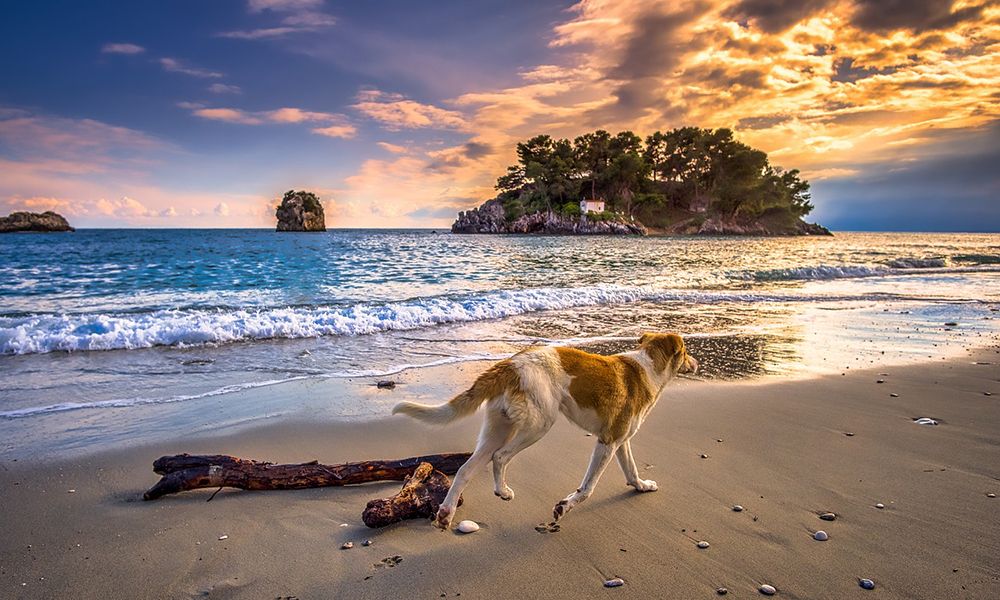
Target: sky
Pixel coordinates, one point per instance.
(202, 113)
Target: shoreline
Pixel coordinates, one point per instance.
(785, 457)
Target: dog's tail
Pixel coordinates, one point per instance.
(501, 377)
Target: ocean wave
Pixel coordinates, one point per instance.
(50, 333)
(819, 272)
(43, 333)
(917, 263)
(896, 267)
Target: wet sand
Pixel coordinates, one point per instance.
(78, 527)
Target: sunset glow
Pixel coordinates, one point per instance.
(400, 115)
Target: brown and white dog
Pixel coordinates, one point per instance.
(608, 396)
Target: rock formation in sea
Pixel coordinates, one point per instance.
(489, 218)
(300, 211)
(748, 227)
(28, 221)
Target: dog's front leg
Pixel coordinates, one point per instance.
(598, 462)
(627, 463)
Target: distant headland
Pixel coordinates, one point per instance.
(47, 221)
(688, 181)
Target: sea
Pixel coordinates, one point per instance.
(106, 335)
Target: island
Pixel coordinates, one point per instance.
(688, 180)
(47, 221)
(300, 211)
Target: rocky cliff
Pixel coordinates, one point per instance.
(28, 221)
(744, 227)
(300, 211)
(489, 218)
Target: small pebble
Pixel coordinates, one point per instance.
(987, 393)
(386, 385)
(880, 505)
(737, 508)
(849, 433)
(223, 537)
(704, 456)
(894, 395)
(617, 581)
(991, 495)
(868, 584)
(366, 543)
(828, 516)
(926, 421)
(702, 545)
(768, 590)
(347, 546)
(72, 491)
(821, 536)
(468, 526)
(722, 591)
(880, 381)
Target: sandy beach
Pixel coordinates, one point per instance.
(780, 448)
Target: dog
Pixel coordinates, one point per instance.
(608, 396)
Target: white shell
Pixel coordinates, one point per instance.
(617, 581)
(468, 526)
(991, 495)
(926, 421)
(737, 508)
(880, 505)
(703, 544)
(347, 545)
(223, 537)
(768, 590)
(821, 536)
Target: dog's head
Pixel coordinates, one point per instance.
(668, 353)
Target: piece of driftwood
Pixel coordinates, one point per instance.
(420, 497)
(190, 472)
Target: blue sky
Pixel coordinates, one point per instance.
(400, 114)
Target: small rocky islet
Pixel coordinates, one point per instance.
(45, 222)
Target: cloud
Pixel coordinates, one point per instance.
(174, 66)
(257, 34)
(339, 125)
(396, 112)
(229, 115)
(221, 209)
(256, 6)
(395, 149)
(222, 88)
(122, 49)
(302, 19)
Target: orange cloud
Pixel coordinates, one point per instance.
(396, 112)
(339, 126)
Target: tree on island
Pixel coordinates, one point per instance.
(682, 171)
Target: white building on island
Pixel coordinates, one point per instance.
(588, 206)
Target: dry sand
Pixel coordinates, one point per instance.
(79, 529)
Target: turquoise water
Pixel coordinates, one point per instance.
(118, 320)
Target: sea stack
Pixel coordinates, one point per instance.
(28, 221)
(300, 211)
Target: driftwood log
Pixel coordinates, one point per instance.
(421, 496)
(190, 472)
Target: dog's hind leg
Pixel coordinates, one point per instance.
(598, 462)
(496, 432)
(627, 463)
(525, 436)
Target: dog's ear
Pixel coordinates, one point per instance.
(673, 344)
(645, 338)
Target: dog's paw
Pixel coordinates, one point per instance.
(443, 520)
(645, 485)
(505, 494)
(561, 508)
